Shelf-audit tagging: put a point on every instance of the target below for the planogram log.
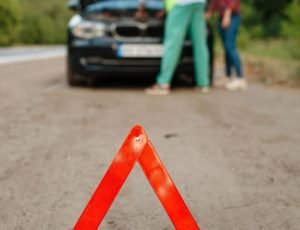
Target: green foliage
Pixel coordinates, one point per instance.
(44, 21)
(275, 48)
(291, 26)
(252, 21)
(263, 19)
(269, 9)
(243, 38)
(9, 21)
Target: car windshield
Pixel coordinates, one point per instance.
(120, 5)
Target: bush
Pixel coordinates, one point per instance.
(47, 25)
(39, 30)
(291, 27)
(9, 21)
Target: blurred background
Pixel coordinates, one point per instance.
(269, 37)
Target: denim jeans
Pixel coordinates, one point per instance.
(229, 36)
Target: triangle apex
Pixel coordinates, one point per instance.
(138, 130)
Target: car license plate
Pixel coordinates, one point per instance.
(140, 50)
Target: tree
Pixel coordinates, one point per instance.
(291, 26)
(9, 21)
(44, 22)
(265, 18)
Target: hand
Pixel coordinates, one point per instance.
(141, 13)
(226, 18)
(226, 22)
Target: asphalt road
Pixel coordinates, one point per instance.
(234, 156)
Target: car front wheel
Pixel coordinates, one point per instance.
(73, 79)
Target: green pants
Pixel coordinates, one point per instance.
(180, 20)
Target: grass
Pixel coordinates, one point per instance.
(286, 50)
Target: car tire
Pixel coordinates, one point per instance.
(73, 79)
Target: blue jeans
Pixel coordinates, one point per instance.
(228, 36)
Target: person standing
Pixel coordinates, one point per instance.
(229, 21)
(183, 15)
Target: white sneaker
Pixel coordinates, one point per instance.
(236, 84)
(221, 82)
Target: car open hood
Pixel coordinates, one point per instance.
(93, 6)
(84, 3)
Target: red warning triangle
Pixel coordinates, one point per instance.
(136, 148)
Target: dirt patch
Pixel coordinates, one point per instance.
(273, 72)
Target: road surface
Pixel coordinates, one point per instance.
(235, 157)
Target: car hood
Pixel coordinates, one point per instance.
(92, 6)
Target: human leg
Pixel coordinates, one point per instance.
(230, 37)
(221, 81)
(200, 50)
(228, 65)
(236, 58)
(175, 31)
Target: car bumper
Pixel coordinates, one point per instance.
(96, 57)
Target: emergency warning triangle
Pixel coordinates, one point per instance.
(136, 148)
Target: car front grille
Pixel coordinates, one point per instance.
(128, 31)
(137, 30)
(154, 31)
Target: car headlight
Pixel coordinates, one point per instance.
(86, 29)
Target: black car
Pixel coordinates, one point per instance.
(106, 37)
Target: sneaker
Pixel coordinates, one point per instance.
(236, 84)
(221, 82)
(158, 90)
(203, 90)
